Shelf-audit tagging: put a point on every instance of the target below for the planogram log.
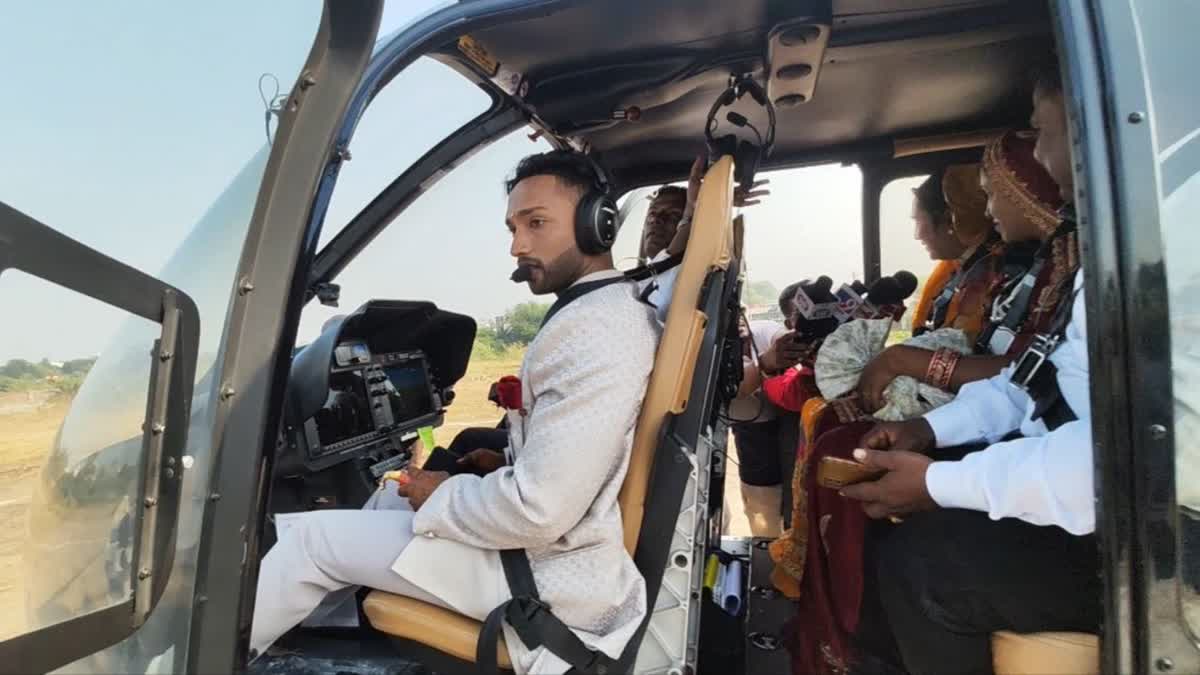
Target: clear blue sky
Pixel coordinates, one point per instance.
(124, 121)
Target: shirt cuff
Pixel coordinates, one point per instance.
(951, 427)
(952, 486)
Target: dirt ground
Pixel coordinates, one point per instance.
(28, 423)
(30, 420)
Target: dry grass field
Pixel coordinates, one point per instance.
(30, 420)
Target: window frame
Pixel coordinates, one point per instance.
(878, 173)
(37, 249)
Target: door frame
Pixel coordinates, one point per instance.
(255, 352)
(274, 273)
(37, 249)
(1116, 189)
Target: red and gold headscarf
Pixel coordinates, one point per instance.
(1013, 172)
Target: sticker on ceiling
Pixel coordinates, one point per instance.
(478, 55)
(513, 83)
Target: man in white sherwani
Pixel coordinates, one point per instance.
(553, 492)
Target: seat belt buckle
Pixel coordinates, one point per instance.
(1032, 360)
(521, 614)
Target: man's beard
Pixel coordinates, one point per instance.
(557, 275)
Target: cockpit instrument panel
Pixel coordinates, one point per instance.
(374, 378)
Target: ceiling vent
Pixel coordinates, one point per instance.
(795, 51)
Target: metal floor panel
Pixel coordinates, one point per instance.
(767, 613)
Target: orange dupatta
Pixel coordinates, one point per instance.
(942, 272)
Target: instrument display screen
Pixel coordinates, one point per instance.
(409, 390)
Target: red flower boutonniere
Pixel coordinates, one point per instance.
(507, 394)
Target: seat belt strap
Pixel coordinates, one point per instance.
(655, 268)
(534, 624)
(1038, 376)
(575, 292)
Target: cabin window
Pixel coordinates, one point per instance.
(810, 225)
(141, 135)
(420, 107)
(451, 247)
(899, 248)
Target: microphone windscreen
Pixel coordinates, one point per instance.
(886, 291)
(521, 274)
(907, 282)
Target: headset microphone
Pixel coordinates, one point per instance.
(522, 274)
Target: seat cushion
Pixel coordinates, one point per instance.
(1038, 653)
(436, 627)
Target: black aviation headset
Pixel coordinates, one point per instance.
(596, 215)
(746, 155)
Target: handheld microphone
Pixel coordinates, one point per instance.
(814, 301)
(907, 281)
(522, 274)
(885, 298)
(816, 307)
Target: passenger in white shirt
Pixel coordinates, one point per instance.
(1001, 538)
(668, 225)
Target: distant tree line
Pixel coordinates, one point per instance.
(511, 331)
(22, 375)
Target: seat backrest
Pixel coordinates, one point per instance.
(709, 247)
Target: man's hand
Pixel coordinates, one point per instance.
(695, 180)
(785, 351)
(743, 197)
(900, 491)
(420, 485)
(874, 380)
(911, 436)
(684, 229)
(483, 460)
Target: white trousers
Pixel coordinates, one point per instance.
(332, 551)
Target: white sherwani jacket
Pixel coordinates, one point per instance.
(583, 380)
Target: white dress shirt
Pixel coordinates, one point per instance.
(660, 297)
(1044, 478)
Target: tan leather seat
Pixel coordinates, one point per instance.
(1040, 653)
(709, 247)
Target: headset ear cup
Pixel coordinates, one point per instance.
(595, 223)
(585, 224)
(606, 222)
